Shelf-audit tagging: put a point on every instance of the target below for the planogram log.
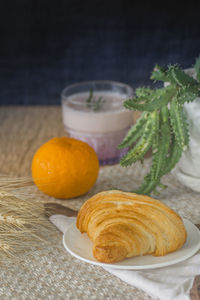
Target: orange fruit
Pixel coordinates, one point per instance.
(65, 168)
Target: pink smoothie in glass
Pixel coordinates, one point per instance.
(102, 127)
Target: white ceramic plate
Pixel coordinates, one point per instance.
(80, 246)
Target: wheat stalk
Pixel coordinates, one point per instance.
(22, 218)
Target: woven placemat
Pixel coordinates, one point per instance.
(50, 272)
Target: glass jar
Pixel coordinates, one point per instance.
(93, 112)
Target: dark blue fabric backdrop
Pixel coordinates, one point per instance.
(46, 45)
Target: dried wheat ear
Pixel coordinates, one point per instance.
(23, 224)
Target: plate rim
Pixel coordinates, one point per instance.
(134, 267)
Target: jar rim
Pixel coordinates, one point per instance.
(97, 82)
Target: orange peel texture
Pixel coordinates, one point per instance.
(65, 168)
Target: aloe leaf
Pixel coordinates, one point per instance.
(135, 132)
(179, 77)
(148, 185)
(179, 124)
(143, 145)
(143, 92)
(137, 152)
(188, 94)
(159, 154)
(173, 156)
(160, 98)
(159, 73)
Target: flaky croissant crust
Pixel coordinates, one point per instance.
(123, 225)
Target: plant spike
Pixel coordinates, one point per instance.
(135, 132)
(160, 149)
(143, 92)
(143, 145)
(188, 94)
(160, 97)
(159, 157)
(179, 77)
(159, 73)
(174, 156)
(179, 124)
(148, 185)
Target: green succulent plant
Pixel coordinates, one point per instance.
(162, 126)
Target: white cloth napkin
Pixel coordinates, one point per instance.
(168, 283)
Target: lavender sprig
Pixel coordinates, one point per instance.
(95, 104)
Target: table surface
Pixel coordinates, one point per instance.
(50, 272)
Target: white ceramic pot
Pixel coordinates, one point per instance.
(187, 169)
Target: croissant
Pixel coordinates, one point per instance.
(123, 225)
